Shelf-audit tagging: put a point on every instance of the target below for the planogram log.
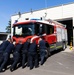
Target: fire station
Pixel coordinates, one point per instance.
(63, 13)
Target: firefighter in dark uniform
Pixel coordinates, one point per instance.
(6, 55)
(5, 44)
(16, 56)
(33, 55)
(42, 48)
(25, 53)
(3, 47)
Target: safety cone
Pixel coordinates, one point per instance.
(70, 45)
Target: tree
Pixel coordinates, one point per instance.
(8, 28)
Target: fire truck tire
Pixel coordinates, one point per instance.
(64, 46)
(47, 53)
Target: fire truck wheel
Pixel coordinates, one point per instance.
(47, 53)
(64, 46)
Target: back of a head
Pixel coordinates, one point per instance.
(9, 39)
(20, 42)
(28, 40)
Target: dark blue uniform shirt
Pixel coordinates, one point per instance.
(18, 47)
(33, 47)
(26, 46)
(9, 48)
(42, 44)
(4, 45)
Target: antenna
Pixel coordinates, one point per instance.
(19, 13)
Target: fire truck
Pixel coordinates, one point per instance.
(54, 33)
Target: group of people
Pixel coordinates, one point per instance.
(27, 54)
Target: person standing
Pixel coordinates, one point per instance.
(6, 55)
(16, 56)
(42, 48)
(3, 47)
(33, 55)
(25, 53)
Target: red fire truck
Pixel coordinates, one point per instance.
(55, 33)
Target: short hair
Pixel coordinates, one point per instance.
(28, 40)
(20, 42)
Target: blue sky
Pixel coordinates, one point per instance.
(11, 7)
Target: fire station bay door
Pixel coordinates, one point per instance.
(69, 26)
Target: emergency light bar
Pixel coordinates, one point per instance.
(35, 19)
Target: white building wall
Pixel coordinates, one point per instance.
(58, 12)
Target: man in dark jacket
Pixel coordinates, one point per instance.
(33, 56)
(5, 44)
(25, 53)
(42, 48)
(16, 56)
(6, 55)
(3, 47)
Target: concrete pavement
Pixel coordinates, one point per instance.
(58, 64)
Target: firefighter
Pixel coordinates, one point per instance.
(25, 53)
(16, 56)
(5, 44)
(42, 49)
(3, 47)
(33, 56)
(6, 55)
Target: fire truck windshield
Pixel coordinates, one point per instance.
(23, 30)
